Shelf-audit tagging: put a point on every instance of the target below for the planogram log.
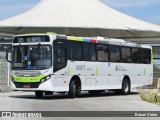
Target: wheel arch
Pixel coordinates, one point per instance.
(75, 87)
(128, 78)
(77, 80)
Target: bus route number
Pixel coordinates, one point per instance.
(34, 39)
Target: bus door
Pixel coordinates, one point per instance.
(59, 65)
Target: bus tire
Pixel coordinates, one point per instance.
(78, 90)
(125, 87)
(39, 94)
(72, 89)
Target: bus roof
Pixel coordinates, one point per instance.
(98, 39)
(36, 34)
(112, 41)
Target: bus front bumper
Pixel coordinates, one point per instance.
(46, 86)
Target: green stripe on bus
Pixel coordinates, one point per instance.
(79, 39)
(49, 33)
(69, 71)
(27, 79)
(21, 35)
(96, 71)
(151, 56)
(144, 71)
(74, 38)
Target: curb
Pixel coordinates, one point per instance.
(5, 88)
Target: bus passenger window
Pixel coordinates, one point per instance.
(115, 53)
(89, 52)
(102, 53)
(126, 55)
(136, 55)
(146, 56)
(75, 51)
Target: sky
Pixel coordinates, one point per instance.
(148, 10)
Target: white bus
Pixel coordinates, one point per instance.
(47, 63)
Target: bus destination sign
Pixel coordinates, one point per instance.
(31, 39)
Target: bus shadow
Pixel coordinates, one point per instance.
(65, 96)
(106, 94)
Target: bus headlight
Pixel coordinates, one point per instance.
(48, 77)
(45, 79)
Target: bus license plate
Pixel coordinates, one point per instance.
(26, 86)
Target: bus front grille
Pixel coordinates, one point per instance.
(29, 74)
(27, 85)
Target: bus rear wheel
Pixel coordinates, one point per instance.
(74, 90)
(39, 94)
(125, 88)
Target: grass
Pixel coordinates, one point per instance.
(150, 96)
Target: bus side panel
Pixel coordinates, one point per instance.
(60, 83)
(148, 74)
(76, 68)
(106, 80)
(99, 76)
(143, 74)
(151, 74)
(64, 76)
(90, 75)
(126, 69)
(139, 74)
(111, 76)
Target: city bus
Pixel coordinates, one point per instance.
(50, 62)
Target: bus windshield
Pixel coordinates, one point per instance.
(32, 57)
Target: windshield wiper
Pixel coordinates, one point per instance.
(20, 47)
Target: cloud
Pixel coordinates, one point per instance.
(130, 3)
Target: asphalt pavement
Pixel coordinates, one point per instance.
(26, 101)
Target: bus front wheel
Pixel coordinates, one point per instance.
(74, 89)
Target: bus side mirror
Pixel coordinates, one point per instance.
(8, 58)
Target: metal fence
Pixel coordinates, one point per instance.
(4, 70)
